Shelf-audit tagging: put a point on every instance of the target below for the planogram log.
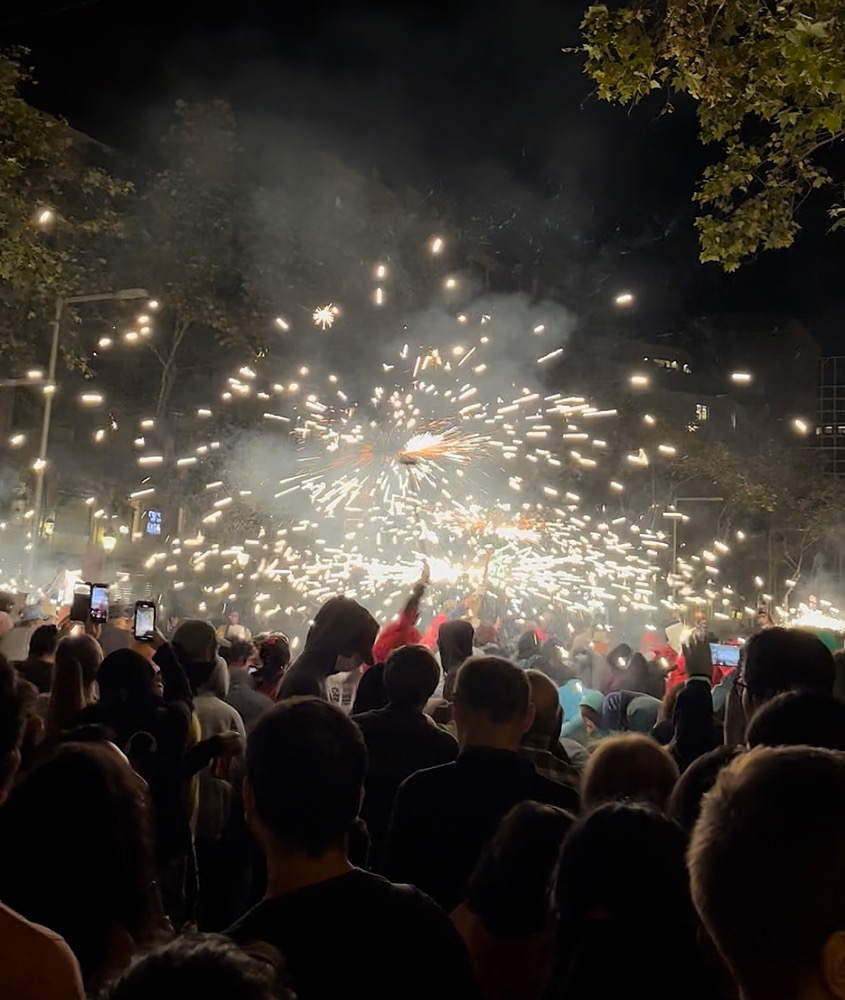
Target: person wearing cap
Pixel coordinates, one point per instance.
(15, 644)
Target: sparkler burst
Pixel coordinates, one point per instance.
(324, 316)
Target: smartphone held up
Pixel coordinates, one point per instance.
(144, 625)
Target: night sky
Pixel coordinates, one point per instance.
(472, 103)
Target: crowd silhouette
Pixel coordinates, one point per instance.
(461, 812)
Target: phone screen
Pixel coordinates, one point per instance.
(145, 619)
(99, 602)
(724, 654)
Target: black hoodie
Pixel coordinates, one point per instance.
(342, 627)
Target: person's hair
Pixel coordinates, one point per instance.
(274, 653)
(239, 651)
(696, 782)
(77, 826)
(410, 676)
(510, 889)
(772, 811)
(493, 687)
(632, 767)
(44, 641)
(305, 763)
(622, 873)
(125, 678)
(799, 718)
(78, 660)
(548, 713)
(196, 639)
(782, 659)
(195, 965)
(11, 721)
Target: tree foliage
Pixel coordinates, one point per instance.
(768, 80)
(45, 168)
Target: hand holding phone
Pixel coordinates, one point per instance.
(99, 613)
(144, 627)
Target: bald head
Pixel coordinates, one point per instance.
(548, 717)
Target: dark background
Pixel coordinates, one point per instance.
(472, 104)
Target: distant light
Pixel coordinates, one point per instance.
(436, 244)
(801, 426)
(616, 487)
(34, 374)
(91, 398)
(649, 420)
(151, 460)
(758, 581)
(130, 336)
(451, 283)
(153, 304)
(17, 440)
(143, 320)
(147, 424)
(46, 216)
(740, 536)
(539, 329)
(99, 436)
(39, 465)
(741, 378)
(667, 449)
(378, 296)
(105, 342)
(624, 299)
(282, 324)
(381, 271)
(202, 412)
(640, 381)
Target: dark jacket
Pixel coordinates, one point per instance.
(454, 643)
(443, 817)
(244, 697)
(399, 742)
(342, 627)
(359, 936)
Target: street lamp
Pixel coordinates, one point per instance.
(121, 295)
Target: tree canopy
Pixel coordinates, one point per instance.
(768, 81)
(59, 210)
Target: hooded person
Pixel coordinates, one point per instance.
(455, 644)
(343, 631)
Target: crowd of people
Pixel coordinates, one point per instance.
(199, 816)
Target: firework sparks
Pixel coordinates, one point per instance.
(324, 316)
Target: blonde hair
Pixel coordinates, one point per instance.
(78, 659)
(631, 767)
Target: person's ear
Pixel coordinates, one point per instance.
(528, 721)
(833, 964)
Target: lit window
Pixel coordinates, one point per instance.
(702, 411)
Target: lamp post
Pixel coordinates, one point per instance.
(122, 295)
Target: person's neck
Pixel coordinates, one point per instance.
(289, 871)
(489, 740)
